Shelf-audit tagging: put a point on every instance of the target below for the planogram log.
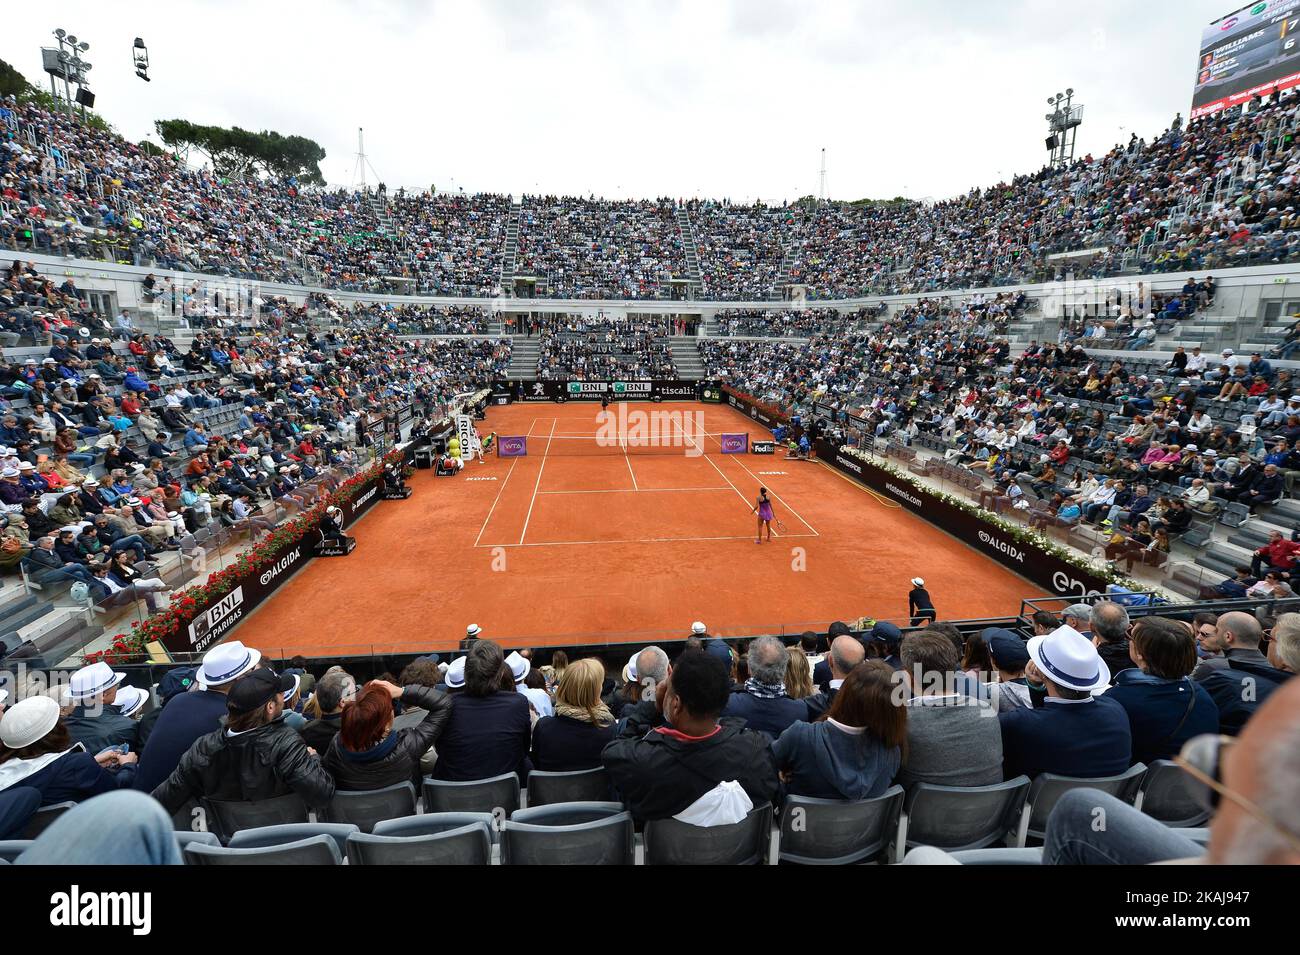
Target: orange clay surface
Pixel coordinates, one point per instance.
(580, 543)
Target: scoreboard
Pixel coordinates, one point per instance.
(1253, 51)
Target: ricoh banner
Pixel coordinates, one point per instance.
(1051, 573)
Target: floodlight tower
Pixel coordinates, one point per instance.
(1063, 125)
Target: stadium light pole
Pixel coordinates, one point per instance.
(1063, 123)
(73, 67)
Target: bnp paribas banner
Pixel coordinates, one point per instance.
(640, 390)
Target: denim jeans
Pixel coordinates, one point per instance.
(118, 828)
(131, 542)
(1089, 827)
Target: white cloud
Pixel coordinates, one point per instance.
(720, 98)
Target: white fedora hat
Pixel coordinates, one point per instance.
(473, 630)
(519, 666)
(698, 627)
(27, 721)
(1068, 658)
(89, 682)
(130, 699)
(226, 662)
(629, 671)
(455, 676)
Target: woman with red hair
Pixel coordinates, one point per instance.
(368, 753)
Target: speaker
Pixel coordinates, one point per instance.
(1051, 142)
(85, 97)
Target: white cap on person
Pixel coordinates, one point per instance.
(698, 628)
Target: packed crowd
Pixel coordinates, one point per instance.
(782, 323)
(592, 248)
(604, 349)
(1212, 195)
(106, 458)
(709, 735)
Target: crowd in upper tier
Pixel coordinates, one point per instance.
(1207, 196)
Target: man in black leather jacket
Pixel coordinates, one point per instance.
(256, 755)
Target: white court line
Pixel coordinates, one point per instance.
(652, 540)
(494, 501)
(533, 499)
(716, 468)
(641, 490)
(777, 496)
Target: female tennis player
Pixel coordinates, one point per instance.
(764, 508)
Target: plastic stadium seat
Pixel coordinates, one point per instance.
(671, 842)
(44, 817)
(291, 832)
(229, 817)
(11, 849)
(959, 817)
(1000, 856)
(1049, 787)
(469, 844)
(315, 850)
(1167, 793)
(542, 837)
(566, 813)
(364, 809)
(476, 795)
(583, 785)
(838, 832)
(432, 823)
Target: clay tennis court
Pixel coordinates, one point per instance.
(581, 541)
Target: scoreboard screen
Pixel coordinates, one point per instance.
(1253, 51)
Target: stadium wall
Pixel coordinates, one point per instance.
(1241, 289)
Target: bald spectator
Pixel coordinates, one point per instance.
(845, 653)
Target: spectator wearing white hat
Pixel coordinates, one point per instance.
(919, 605)
(1074, 732)
(37, 751)
(195, 710)
(255, 755)
(520, 667)
(95, 722)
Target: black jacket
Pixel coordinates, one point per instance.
(562, 744)
(318, 734)
(394, 760)
(486, 736)
(269, 761)
(662, 774)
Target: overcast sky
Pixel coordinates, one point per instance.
(716, 98)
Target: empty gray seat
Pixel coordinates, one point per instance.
(959, 817)
(44, 817)
(672, 842)
(584, 785)
(837, 831)
(1049, 787)
(566, 813)
(364, 809)
(228, 817)
(11, 849)
(291, 832)
(606, 839)
(469, 844)
(1169, 794)
(475, 795)
(314, 850)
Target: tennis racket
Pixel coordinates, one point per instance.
(780, 525)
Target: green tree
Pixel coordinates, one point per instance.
(234, 152)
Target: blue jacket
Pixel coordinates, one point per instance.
(183, 720)
(1070, 739)
(1163, 714)
(827, 763)
(486, 736)
(75, 776)
(770, 716)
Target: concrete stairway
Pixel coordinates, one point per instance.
(686, 357)
(524, 352)
(696, 286)
(510, 249)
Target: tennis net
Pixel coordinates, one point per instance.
(584, 445)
